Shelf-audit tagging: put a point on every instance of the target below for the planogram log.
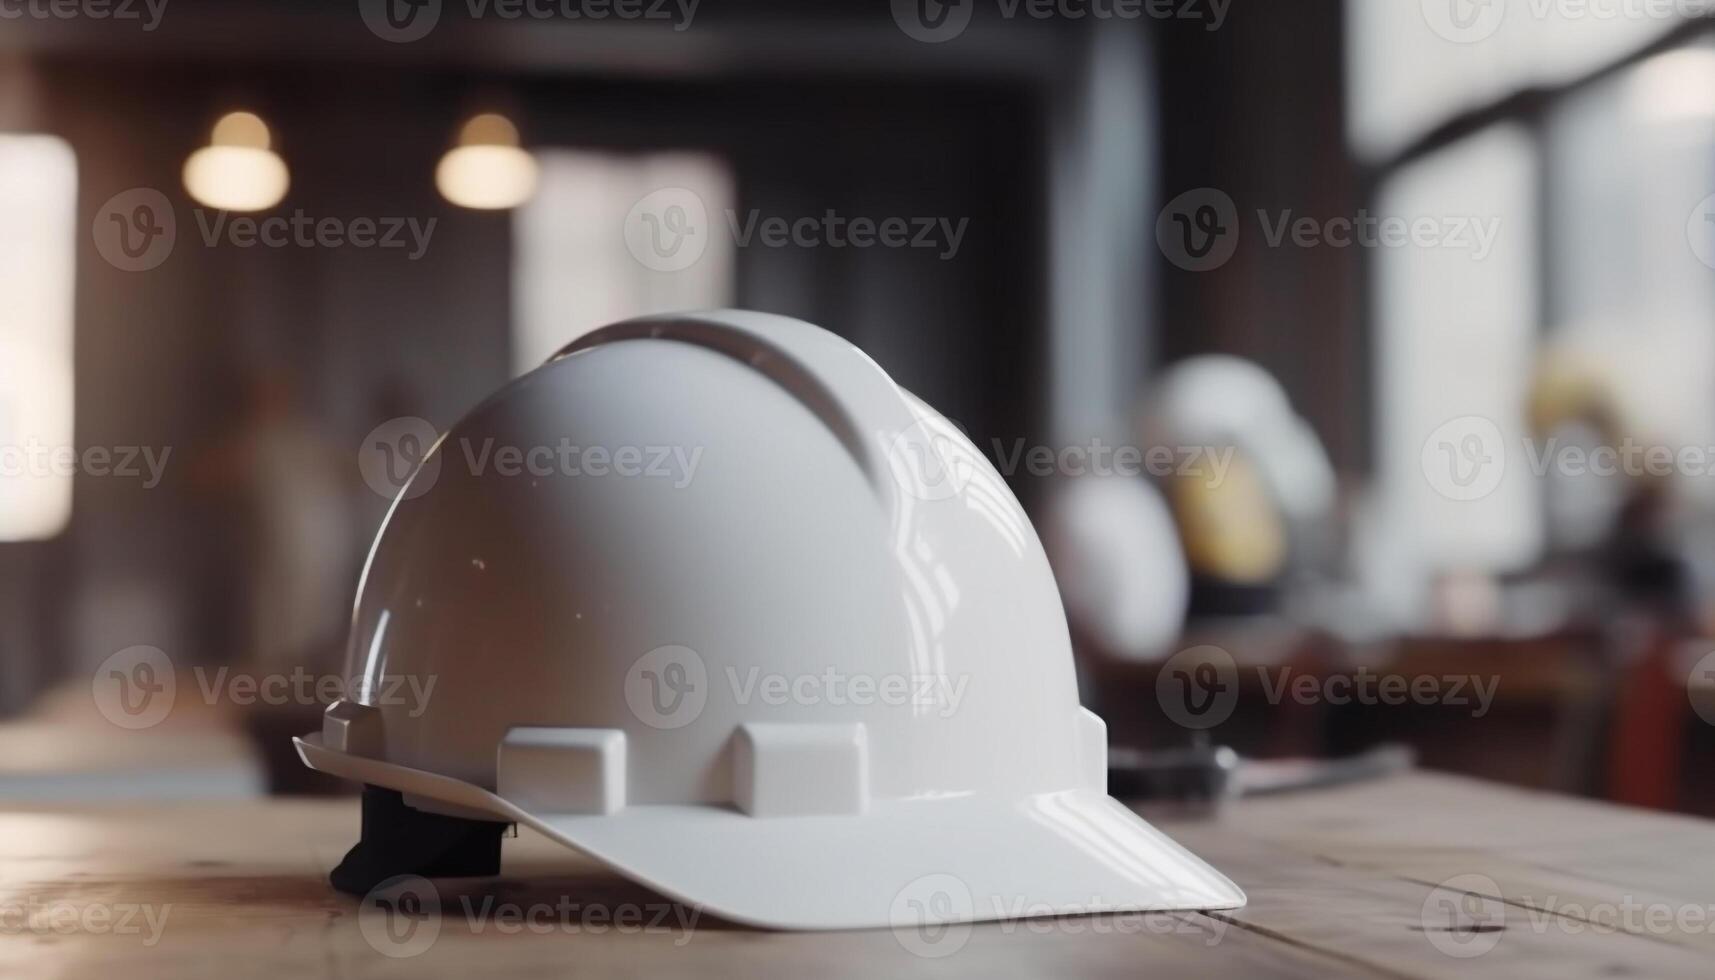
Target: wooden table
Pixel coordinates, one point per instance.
(1345, 882)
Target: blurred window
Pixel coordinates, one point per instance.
(38, 234)
(1632, 242)
(1457, 320)
(1600, 193)
(610, 236)
(1414, 63)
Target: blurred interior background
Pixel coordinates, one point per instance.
(1433, 282)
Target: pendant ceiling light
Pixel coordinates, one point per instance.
(487, 170)
(237, 171)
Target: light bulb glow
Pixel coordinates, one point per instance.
(486, 176)
(237, 171)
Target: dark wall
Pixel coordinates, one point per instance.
(1257, 110)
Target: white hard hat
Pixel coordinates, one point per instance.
(820, 678)
(1217, 400)
(1120, 564)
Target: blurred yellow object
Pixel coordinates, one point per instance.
(1231, 528)
(1571, 388)
(487, 170)
(237, 171)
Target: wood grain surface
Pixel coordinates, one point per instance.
(1419, 876)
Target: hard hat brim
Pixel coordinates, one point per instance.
(901, 864)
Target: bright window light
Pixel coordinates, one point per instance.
(38, 212)
(579, 260)
(1413, 63)
(1456, 333)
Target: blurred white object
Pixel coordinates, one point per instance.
(38, 210)
(1219, 401)
(592, 638)
(1120, 564)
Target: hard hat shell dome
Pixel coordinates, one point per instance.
(799, 660)
(778, 553)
